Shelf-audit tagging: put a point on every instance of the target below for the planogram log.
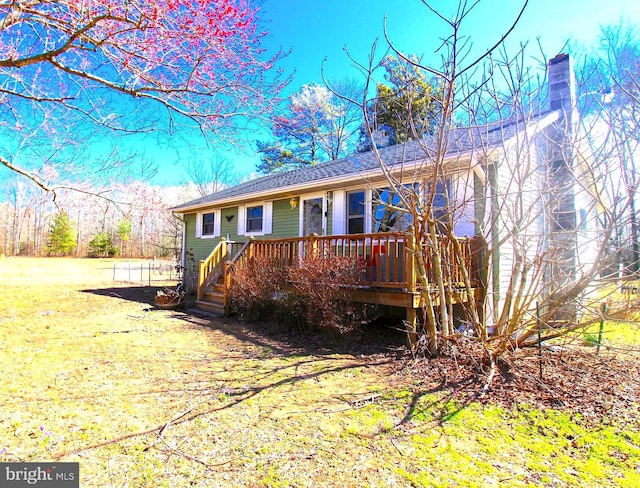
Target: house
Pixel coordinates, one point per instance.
(500, 183)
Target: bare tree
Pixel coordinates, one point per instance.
(211, 175)
(513, 163)
(107, 66)
(314, 126)
(609, 88)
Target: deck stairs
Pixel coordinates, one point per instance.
(213, 298)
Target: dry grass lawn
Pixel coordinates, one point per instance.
(140, 397)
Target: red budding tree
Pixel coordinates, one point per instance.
(114, 62)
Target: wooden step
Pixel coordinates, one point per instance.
(210, 307)
(214, 296)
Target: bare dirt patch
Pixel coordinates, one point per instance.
(90, 371)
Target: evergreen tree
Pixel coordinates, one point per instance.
(62, 236)
(102, 245)
(408, 98)
(125, 228)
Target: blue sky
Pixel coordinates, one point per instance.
(318, 30)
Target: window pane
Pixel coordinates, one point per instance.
(356, 225)
(440, 196)
(208, 220)
(355, 212)
(385, 217)
(356, 203)
(441, 205)
(254, 225)
(254, 219)
(254, 212)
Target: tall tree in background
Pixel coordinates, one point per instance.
(316, 126)
(62, 236)
(210, 176)
(406, 104)
(109, 64)
(124, 230)
(609, 97)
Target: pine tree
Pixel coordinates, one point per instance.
(407, 103)
(62, 236)
(102, 246)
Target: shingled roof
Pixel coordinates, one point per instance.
(462, 140)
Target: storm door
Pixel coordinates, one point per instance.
(313, 216)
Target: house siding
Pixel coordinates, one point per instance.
(329, 219)
(229, 224)
(196, 248)
(284, 224)
(286, 220)
(462, 204)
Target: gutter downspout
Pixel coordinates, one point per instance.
(180, 217)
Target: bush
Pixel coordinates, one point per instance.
(62, 236)
(257, 289)
(320, 289)
(314, 294)
(102, 246)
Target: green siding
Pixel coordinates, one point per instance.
(285, 220)
(229, 224)
(195, 248)
(285, 224)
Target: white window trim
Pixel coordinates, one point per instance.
(367, 207)
(267, 219)
(217, 215)
(339, 212)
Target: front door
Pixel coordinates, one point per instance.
(312, 216)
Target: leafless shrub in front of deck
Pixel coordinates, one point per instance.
(320, 293)
(256, 289)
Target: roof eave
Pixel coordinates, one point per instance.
(325, 184)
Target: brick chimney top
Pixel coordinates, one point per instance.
(558, 59)
(562, 92)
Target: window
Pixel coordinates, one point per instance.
(355, 212)
(441, 204)
(254, 219)
(208, 224)
(388, 215)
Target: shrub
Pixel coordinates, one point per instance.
(258, 288)
(314, 293)
(62, 236)
(320, 292)
(190, 272)
(102, 246)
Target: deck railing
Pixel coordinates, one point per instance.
(211, 268)
(387, 259)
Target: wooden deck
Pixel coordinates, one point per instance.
(388, 261)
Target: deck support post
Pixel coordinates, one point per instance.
(412, 328)
(224, 246)
(250, 250)
(227, 286)
(201, 277)
(313, 245)
(411, 285)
